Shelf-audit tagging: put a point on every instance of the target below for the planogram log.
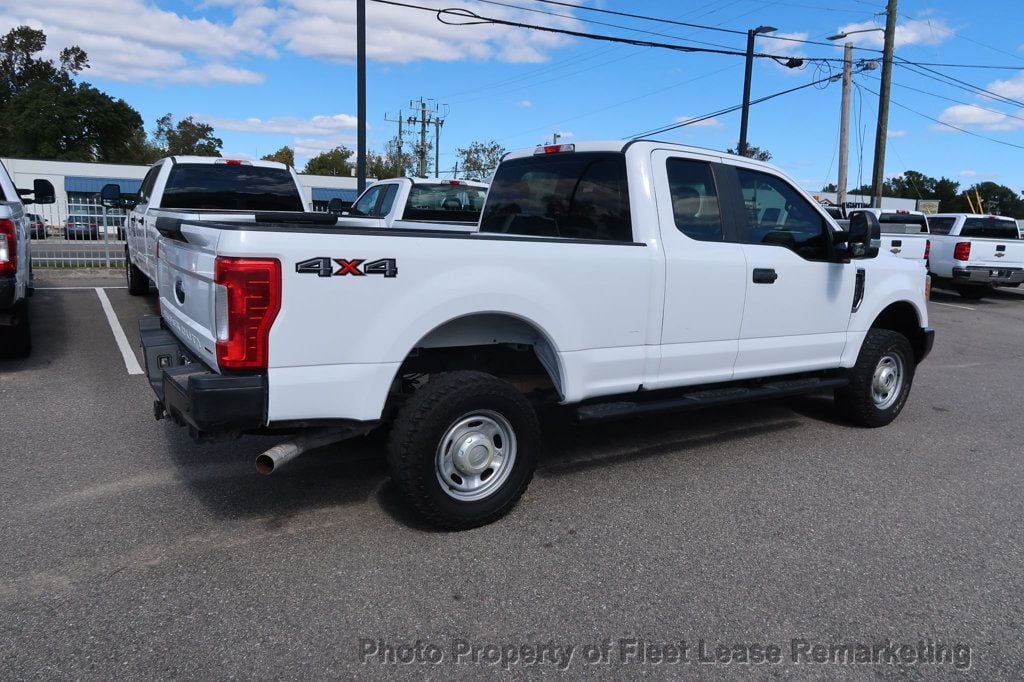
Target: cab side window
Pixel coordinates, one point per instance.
(941, 225)
(366, 203)
(146, 190)
(778, 215)
(694, 199)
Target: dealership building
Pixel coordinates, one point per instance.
(78, 184)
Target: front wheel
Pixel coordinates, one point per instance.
(463, 449)
(880, 381)
(138, 283)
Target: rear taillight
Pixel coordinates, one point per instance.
(927, 248)
(247, 300)
(962, 251)
(8, 247)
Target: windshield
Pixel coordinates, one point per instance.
(221, 186)
(990, 228)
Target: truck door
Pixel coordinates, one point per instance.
(138, 239)
(704, 272)
(371, 207)
(798, 299)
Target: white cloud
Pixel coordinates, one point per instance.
(896, 134)
(968, 115)
(317, 125)
(307, 148)
(706, 123)
(910, 32)
(524, 104)
(326, 29)
(968, 173)
(131, 40)
(977, 175)
(1012, 88)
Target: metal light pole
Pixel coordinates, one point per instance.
(741, 148)
(361, 95)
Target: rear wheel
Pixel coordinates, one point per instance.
(972, 293)
(880, 381)
(16, 340)
(463, 449)
(138, 283)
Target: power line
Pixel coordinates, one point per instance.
(950, 99)
(943, 123)
(949, 80)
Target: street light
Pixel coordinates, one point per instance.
(751, 34)
(846, 34)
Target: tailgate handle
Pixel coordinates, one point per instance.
(765, 276)
(1001, 247)
(897, 242)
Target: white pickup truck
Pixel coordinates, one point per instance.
(199, 188)
(16, 262)
(904, 233)
(975, 253)
(416, 203)
(616, 278)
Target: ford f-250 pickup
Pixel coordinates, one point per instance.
(199, 188)
(975, 253)
(16, 262)
(415, 203)
(617, 279)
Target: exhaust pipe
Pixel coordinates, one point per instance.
(282, 453)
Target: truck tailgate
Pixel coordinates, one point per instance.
(995, 253)
(185, 272)
(909, 246)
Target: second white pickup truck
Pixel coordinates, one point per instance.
(616, 278)
(975, 253)
(199, 188)
(417, 203)
(905, 233)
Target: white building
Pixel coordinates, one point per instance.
(77, 184)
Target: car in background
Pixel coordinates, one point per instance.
(77, 228)
(36, 226)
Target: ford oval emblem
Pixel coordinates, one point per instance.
(179, 291)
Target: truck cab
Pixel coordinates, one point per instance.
(417, 203)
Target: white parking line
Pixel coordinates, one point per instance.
(954, 305)
(130, 363)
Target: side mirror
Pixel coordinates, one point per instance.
(42, 193)
(336, 206)
(865, 235)
(110, 195)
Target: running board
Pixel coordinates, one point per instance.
(706, 398)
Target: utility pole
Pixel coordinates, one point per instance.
(741, 148)
(554, 138)
(427, 117)
(844, 124)
(878, 172)
(361, 95)
(438, 122)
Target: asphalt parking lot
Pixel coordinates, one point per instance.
(129, 551)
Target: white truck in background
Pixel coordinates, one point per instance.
(614, 278)
(974, 253)
(417, 203)
(201, 188)
(905, 233)
(16, 262)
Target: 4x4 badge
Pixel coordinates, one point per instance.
(323, 266)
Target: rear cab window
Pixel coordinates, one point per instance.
(990, 228)
(447, 201)
(903, 223)
(567, 195)
(941, 225)
(220, 186)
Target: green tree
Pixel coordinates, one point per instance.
(47, 115)
(753, 152)
(479, 159)
(331, 162)
(996, 199)
(284, 155)
(186, 137)
(393, 163)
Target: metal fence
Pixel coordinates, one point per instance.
(77, 234)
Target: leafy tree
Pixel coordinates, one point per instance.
(283, 155)
(995, 198)
(479, 159)
(393, 163)
(186, 137)
(753, 152)
(830, 187)
(331, 162)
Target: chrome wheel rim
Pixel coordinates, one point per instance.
(887, 382)
(475, 456)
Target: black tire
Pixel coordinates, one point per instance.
(138, 283)
(857, 400)
(16, 340)
(424, 421)
(973, 293)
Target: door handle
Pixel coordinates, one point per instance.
(765, 275)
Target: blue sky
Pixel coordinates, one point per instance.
(267, 74)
